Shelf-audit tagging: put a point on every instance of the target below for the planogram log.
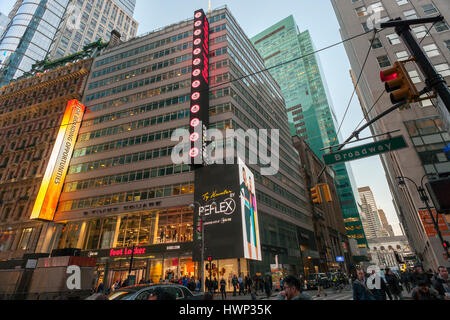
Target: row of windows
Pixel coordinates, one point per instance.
(138, 175)
(135, 125)
(273, 203)
(123, 143)
(130, 196)
(138, 110)
(134, 85)
(120, 160)
(147, 47)
(134, 62)
(142, 139)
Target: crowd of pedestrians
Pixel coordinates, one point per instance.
(416, 284)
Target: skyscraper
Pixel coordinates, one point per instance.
(4, 21)
(370, 211)
(87, 21)
(56, 28)
(420, 125)
(385, 223)
(122, 187)
(32, 29)
(308, 104)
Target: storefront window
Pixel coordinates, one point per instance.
(7, 239)
(70, 235)
(109, 228)
(93, 234)
(25, 238)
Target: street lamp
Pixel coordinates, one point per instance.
(423, 196)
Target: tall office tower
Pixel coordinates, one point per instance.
(122, 187)
(369, 208)
(385, 223)
(32, 29)
(4, 21)
(308, 104)
(88, 21)
(420, 125)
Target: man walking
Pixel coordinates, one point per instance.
(442, 283)
(234, 282)
(319, 282)
(360, 290)
(222, 289)
(394, 285)
(241, 285)
(292, 290)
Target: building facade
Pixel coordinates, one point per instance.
(420, 124)
(308, 104)
(385, 223)
(29, 36)
(329, 229)
(391, 252)
(88, 21)
(372, 221)
(4, 21)
(122, 188)
(31, 111)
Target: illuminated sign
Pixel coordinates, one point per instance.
(225, 202)
(126, 252)
(52, 183)
(340, 259)
(199, 119)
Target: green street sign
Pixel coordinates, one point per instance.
(365, 151)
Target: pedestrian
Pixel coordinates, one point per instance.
(268, 286)
(441, 283)
(223, 284)
(292, 290)
(419, 275)
(241, 285)
(319, 282)
(360, 290)
(380, 293)
(215, 285)
(394, 284)
(234, 282)
(424, 292)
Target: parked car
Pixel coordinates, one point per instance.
(143, 291)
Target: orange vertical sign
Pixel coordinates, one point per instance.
(427, 222)
(52, 183)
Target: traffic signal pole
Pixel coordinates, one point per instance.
(433, 79)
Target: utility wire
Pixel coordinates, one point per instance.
(242, 77)
(384, 91)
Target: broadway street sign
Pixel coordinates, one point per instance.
(366, 150)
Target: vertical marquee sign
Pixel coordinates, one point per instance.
(199, 119)
(52, 183)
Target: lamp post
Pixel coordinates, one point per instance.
(423, 196)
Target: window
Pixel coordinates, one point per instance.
(383, 61)
(429, 9)
(410, 14)
(441, 26)
(443, 69)
(402, 2)
(402, 55)
(420, 31)
(361, 11)
(376, 43)
(447, 44)
(365, 27)
(393, 38)
(431, 50)
(414, 75)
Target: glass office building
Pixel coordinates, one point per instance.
(308, 104)
(4, 21)
(88, 21)
(29, 36)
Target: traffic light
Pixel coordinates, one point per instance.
(398, 82)
(315, 195)
(327, 192)
(446, 244)
(209, 258)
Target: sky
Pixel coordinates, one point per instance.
(316, 16)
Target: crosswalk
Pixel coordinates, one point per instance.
(331, 295)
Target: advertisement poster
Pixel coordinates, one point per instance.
(250, 228)
(53, 180)
(227, 208)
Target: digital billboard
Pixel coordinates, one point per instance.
(199, 111)
(225, 203)
(53, 180)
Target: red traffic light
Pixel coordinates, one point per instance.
(388, 77)
(209, 258)
(446, 244)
